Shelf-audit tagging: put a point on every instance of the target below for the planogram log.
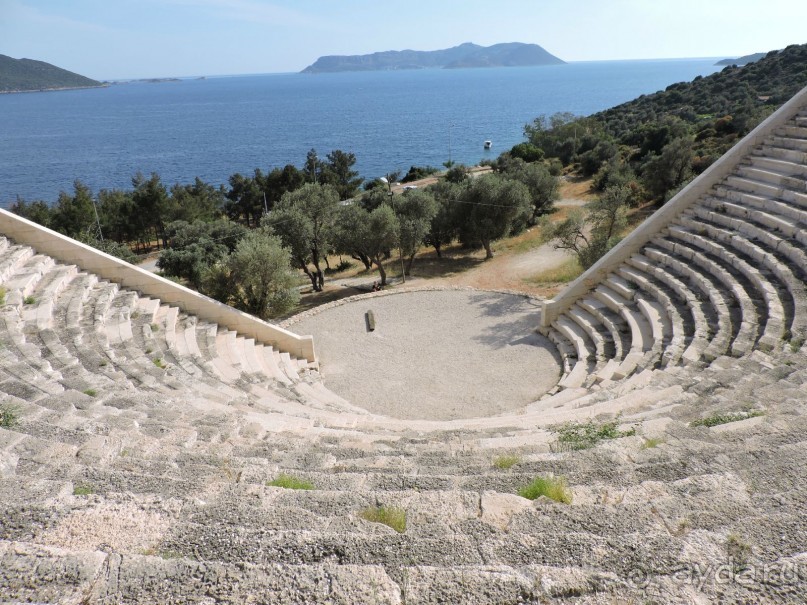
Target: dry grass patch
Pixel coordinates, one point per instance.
(563, 274)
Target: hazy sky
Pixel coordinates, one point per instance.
(107, 39)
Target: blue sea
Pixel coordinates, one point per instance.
(217, 126)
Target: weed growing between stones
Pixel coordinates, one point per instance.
(651, 442)
(391, 516)
(574, 436)
(290, 482)
(83, 490)
(554, 488)
(90, 392)
(159, 363)
(3, 292)
(725, 417)
(738, 551)
(504, 463)
(9, 415)
(29, 300)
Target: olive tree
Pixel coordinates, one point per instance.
(305, 221)
(491, 207)
(257, 277)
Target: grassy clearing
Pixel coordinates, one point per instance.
(554, 488)
(563, 274)
(290, 482)
(725, 417)
(574, 436)
(9, 415)
(504, 463)
(391, 516)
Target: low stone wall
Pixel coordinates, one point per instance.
(108, 267)
(670, 211)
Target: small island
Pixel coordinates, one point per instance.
(512, 54)
(27, 75)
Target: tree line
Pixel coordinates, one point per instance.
(242, 244)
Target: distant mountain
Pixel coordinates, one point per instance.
(23, 75)
(742, 60)
(513, 54)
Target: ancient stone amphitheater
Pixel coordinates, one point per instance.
(142, 423)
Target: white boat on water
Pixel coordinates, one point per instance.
(488, 144)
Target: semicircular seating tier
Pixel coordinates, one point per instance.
(720, 270)
(143, 431)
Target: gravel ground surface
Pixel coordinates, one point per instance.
(435, 355)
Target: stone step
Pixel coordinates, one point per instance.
(11, 258)
(705, 287)
(771, 292)
(791, 150)
(785, 142)
(772, 178)
(765, 249)
(612, 322)
(750, 185)
(780, 166)
(699, 325)
(21, 284)
(595, 333)
(675, 330)
(781, 214)
(733, 295)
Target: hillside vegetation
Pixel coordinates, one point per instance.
(20, 75)
(658, 142)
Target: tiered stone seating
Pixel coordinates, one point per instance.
(134, 464)
(728, 275)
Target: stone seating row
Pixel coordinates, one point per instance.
(727, 276)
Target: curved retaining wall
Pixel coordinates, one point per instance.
(69, 251)
(670, 211)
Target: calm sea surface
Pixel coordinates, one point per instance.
(215, 127)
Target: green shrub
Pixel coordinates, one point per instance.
(554, 488)
(652, 442)
(725, 417)
(29, 300)
(290, 482)
(504, 463)
(159, 363)
(9, 415)
(390, 516)
(574, 436)
(90, 392)
(3, 293)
